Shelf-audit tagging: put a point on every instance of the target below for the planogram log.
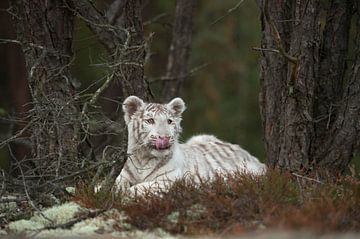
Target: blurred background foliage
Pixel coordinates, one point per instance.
(222, 92)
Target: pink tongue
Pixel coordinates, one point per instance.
(161, 143)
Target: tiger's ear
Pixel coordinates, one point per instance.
(130, 106)
(177, 105)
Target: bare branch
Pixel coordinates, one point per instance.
(17, 135)
(307, 178)
(265, 49)
(276, 35)
(228, 12)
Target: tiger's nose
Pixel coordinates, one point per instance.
(162, 142)
(164, 137)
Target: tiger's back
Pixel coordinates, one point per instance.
(206, 155)
(156, 158)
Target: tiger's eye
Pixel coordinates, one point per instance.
(169, 121)
(150, 121)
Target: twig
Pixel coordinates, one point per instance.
(4, 41)
(308, 178)
(228, 12)
(72, 175)
(277, 37)
(101, 167)
(97, 94)
(18, 134)
(28, 195)
(14, 199)
(265, 49)
(280, 47)
(154, 19)
(191, 72)
(3, 185)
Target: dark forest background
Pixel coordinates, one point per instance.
(223, 84)
(221, 93)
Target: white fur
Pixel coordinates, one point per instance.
(202, 155)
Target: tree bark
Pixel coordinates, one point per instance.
(333, 54)
(179, 53)
(298, 133)
(342, 141)
(45, 29)
(274, 68)
(310, 113)
(133, 59)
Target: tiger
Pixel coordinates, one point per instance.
(156, 158)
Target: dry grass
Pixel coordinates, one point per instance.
(242, 203)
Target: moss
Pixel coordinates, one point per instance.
(58, 214)
(24, 225)
(147, 234)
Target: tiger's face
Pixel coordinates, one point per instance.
(153, 127)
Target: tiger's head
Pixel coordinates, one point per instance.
(153, 127)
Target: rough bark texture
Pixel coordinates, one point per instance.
(300, 82)
(342, 141)
(273, 78)
(46, 32)
(310, 112)
(178, 59)
(332, 68)
(133, 59)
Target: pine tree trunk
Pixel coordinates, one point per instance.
(45, 29)
(309, 105)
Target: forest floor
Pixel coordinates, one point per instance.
(274, 205)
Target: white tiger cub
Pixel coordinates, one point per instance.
(156, 158)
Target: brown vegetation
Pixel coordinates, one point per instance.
(242, 203)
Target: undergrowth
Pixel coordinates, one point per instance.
(240, 203)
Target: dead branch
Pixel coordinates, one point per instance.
(17, 135)
(265, 49)
(276, 35)
(228, 12)
(307, 178)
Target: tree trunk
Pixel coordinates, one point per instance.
(342, 139)
(133, 59)
(45, 29)
(179, 53)
(273, 78)
(300, 84)
(311, 112)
